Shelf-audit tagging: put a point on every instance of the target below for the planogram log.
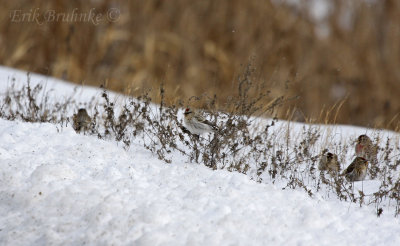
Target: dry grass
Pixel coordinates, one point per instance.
(267, 151)
(351, 76)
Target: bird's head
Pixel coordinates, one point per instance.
(82, 111)
(363, 139)
(362, 160)
(187, 111)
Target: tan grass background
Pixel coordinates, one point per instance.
(350, 76)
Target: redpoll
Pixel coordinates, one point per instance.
(81, 120)
(366, 149)
(357, 170)
(196, 124)
(329, 162)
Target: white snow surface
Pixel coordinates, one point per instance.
(61, 188)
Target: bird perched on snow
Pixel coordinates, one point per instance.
(329, 162)
(357, 170)
(81, 120)
(196, 124)
(366, 149)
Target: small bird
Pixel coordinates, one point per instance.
(366, 149)
(81, 120)
(357, 170)
(196, 124)
(329, 162)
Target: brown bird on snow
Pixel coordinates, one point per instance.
(81, 120)
(366, 149)
(357, 170)
(329, 162)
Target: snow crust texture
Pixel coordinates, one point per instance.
(61, 188)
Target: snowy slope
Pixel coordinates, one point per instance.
(61, 188)
(56, 87)
(64, 188)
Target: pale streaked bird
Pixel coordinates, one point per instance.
(196, 124)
